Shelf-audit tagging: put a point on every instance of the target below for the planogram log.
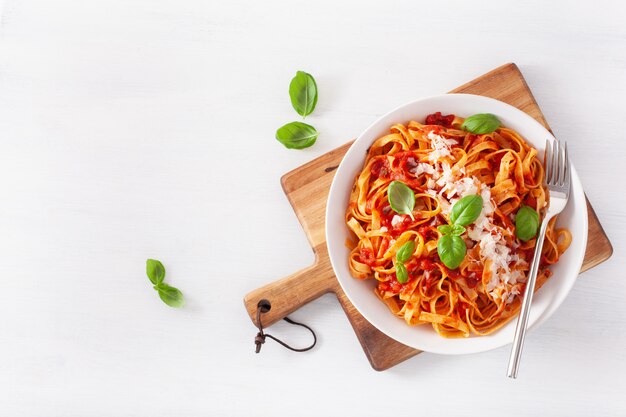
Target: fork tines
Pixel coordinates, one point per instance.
(557, 165)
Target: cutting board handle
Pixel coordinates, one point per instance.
(292, 292)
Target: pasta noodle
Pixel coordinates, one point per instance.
(442, 163)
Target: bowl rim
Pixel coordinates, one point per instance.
(491, 341)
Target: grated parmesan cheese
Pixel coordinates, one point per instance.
(446, 177)
(422, 168)
(448, 185)
(440, 145)
(493, 247)
(396, 220)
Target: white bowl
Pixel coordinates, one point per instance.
(361, 294)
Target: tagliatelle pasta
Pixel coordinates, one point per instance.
(442, 163)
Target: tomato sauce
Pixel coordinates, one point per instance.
(392, 285)
(531, 201)
(453, 273)
(405, 225)
(496, 161)
(427, 264)
(462, 308)
(429, 232)
(386, 215)
(406, 160)
(366, 255)
(472, 280)
(439, 119)
(380, 168)
(399, 169)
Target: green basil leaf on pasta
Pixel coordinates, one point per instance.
(404, 253)
(451, 250)
(526, 223)
(401, 273)
(171, 296)
(297, 135)
(466, 210)
(401, 198)
(445, 229)
(155, 271)
(451, 229)
(457, 230)
(481, 123)
(303, 93)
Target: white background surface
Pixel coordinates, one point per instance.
(136, 129)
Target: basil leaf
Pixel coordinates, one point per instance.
(481, 123)
(405, 251)
(303, 93)
(451, 250)
(155, 271)
(401, 198)
(466, 210)
(297, 135)
(445, 229)
(451, 229)
(401, 273)
(526, 223)
(457, 230)
(170, 295)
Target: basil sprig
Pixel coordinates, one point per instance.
(451, 247)
(451, 229)
(526, 223)
(401, 198)
(156, 274)
(303, 93)
(297, 135)
(402, 255)
(481, 123)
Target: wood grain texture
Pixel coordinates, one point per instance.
(307, 190)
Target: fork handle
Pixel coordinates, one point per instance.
(522, 320)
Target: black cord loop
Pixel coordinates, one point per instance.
(263, 307)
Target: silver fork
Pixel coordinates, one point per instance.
(558, 181)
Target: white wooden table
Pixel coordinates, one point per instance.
(132, 129)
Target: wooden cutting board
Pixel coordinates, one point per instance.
(307, 190)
